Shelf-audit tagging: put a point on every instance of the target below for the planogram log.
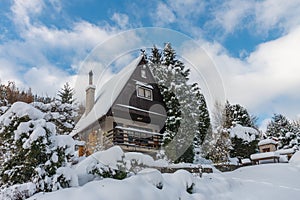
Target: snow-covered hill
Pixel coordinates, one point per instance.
(268, 182)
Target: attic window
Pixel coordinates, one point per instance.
(144, 92)
(143, 73)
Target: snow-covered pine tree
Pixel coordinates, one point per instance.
(62, 112)
(281, 128)
(66, 94)
(236, 114)
(217, 143)
(33, 152)
(186, 108)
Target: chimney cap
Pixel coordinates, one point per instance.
(91, 77)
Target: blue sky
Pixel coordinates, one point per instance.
(251, 43)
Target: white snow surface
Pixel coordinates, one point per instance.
(286, 151)
(267, 141)
(264, 155)
(295, 159)
(268, 182)
(107, 95)
(246, 133)
(21, 109)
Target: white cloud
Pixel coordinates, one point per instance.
(177, 11)
(188, 8)
(23, 10)
(271, 14)
(46, 80)
(258, 16)
(230, 14)
(122, 20)
(271, 73)
(163, 15)
(28, 61)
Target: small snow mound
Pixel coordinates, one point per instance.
(143, 159)
(295, 159)
(153, 176)
(109, 157)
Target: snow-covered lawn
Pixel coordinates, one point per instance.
(268, 181)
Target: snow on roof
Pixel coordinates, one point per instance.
(246, 133)
(143, 84)
(264, 155)
(246, 161)
(107, 95)
(266, 141)
(286, 151)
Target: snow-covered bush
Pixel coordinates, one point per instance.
(61, 114)
(33, 151)
(18, 191)
(103, 171)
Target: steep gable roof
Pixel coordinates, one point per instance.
(107, 96)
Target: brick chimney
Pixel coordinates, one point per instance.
(90, 95)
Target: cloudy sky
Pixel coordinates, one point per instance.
(254, 45)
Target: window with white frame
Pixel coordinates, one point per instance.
(144, 92)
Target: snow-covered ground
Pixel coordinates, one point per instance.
(268, 182)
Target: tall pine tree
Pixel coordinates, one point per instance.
(187, 116)
(281, 128)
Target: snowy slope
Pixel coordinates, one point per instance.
(268, 182)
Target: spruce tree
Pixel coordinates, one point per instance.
(235, 114)
(66, 94)
(281, 128)
(187, 115)
(62, 111)
(33, 152)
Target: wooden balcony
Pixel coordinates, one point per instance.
(131, 139)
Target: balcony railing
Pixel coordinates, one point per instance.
(132, 137)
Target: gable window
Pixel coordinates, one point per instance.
(144, 92)
(143, 73)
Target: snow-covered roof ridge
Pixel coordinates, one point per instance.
(106, 96)
(264, 155)
(267, 141)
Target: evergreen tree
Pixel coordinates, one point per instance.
(66, 94)
(187, 116)
(235, 133)
(62, 112)
(218, 151)
(33, 152)
(238, 115)
(242, 148)
(281, 128)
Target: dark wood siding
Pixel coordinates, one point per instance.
(128, 97)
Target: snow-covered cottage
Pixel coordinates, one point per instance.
(267, 145)
(267, 149)
(128, 111)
